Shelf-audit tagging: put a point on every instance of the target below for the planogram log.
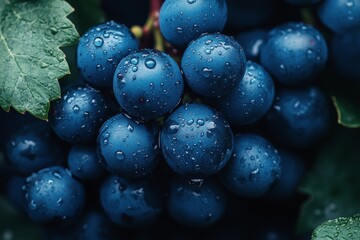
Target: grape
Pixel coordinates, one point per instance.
(182, 21)
(249, 13)
(252, 42)
(84, 163)
(299, 118)
(148, 84)
(254, 167)
(213, 64)
(100, 50)
(128, 148)
(250, 99)
(131, 203)
(345, 52)
(196, 141)
(196, 207)
(294, 53)
(341, 16)
(53, 196)
(33, 147)
(79, 114)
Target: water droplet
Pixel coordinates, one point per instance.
(179, 30)
(191, 1)
(119, 155)
(76, 108)
(134, 60)
(134, 69)
(190, 121)
(174, 128)
(310, 54)
(98, 42)
(196, 183)
(201, 122)
(59, 201)
(150, 63)
(106, 35)
(283, 69)
(207, 72)
(130, 128)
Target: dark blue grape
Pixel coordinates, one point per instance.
(148, 84)
(249, 13)
(100, 50)
(254, 167)
(341, 16)
(84, 163)
(33, 147)
(299, 117)
(79, 114)
(196, 207)
(196, 141)
(251, 41)
(127, 147)
(53, 196)
(294, 53)
(250, 99)
(131, 203)
(213, 64)
(345, 51)
(182, 21)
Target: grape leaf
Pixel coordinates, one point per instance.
(15, 226)
(332, 183)
(340, 228)
(348, 111)
(31, 34)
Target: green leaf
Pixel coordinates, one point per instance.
(332, 183)
(15, 226)
(31, 34)
(348, 111)
(340, 228)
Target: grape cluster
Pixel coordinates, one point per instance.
(187, 137)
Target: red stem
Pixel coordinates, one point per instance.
(155, 6)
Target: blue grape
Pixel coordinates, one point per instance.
(252, 42)
(299, 117)
(250, 99)
(341, 16)
(131, 203)
(294, 53)
(127, 147)
(254, 167)
(53, 196)
(196, 207)
(33, 147)
(78, 115)
(213, 64)
(148, 84)
(100, 50)
(182, 21)
(249, 13)
(345, 52)
(84, 163)
(196, 141)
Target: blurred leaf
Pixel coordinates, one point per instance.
(14, 226)
(340, 228)
(348, 111)
(332, 185)
(31, 33)
(87, 14)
